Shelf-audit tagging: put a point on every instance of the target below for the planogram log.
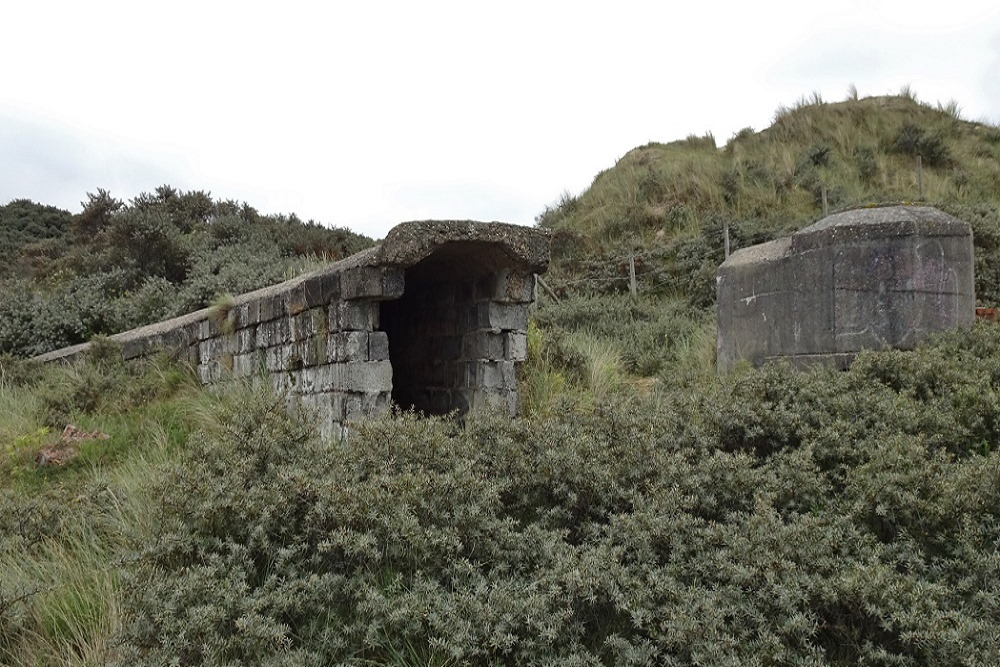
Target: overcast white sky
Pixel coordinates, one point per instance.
(366, 114)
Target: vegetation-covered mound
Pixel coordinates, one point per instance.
(65, 278)
(667, 205)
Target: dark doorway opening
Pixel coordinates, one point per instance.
(428, 326)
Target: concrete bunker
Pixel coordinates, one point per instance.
(862, 279)
(434, 318)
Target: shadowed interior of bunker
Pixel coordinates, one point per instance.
(437, 332)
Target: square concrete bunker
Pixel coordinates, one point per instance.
(871, 278)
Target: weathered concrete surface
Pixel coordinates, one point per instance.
(862, 279)
(434, 317)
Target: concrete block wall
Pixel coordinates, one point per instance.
(435, 317)
(317, 341)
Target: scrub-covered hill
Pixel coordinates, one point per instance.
(65, 278)
(668, 204)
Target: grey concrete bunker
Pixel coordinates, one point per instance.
(433, 318)
(872, 278)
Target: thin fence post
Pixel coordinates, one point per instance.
(632, 287)
(725, 235)
(826, 205)
(920, 178)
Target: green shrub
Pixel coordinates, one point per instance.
(648, 334)
(930, 146)
(775, 517)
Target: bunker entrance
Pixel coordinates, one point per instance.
(439, 331)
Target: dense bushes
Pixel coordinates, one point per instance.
(767, 517)
(776, 517)
(28, 229)
(161, 255)
(72, 505)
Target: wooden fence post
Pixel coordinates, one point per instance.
(632, 287)
(920, 178)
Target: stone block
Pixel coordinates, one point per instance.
(310, 379)
(515, 347)
(301, 326)
(361, 282)
(132, 349)
(375, 404)
(461, 400)
(499, 375)
(513, 286)
(295, 300)
(358, 376)
(354, 406)
(322, 290)
(247, 314)
(371, 282)
(271, 307)
(280, 358)
(326, 408)
(188, 334)
(246, 340)
(483, 345)
(378, 346)
(209, 373)
(213, 349)
(294, 382)
(367, 376)
(354, 316)
(320, 320)
(280, 382)
(205, 329)
(315, 350)
(244, 365)
(494, 399)
(364, 405)
(273, 333)
(190, 355)
(172, 339)
(501, 316)
(347, 346)
(393, 282)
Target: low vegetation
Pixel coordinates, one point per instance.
(770, 516)
(641, 511)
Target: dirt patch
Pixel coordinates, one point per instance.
(67, 447)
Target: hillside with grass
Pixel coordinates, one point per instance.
(642, 510)
(664, 209)
(667, 204)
